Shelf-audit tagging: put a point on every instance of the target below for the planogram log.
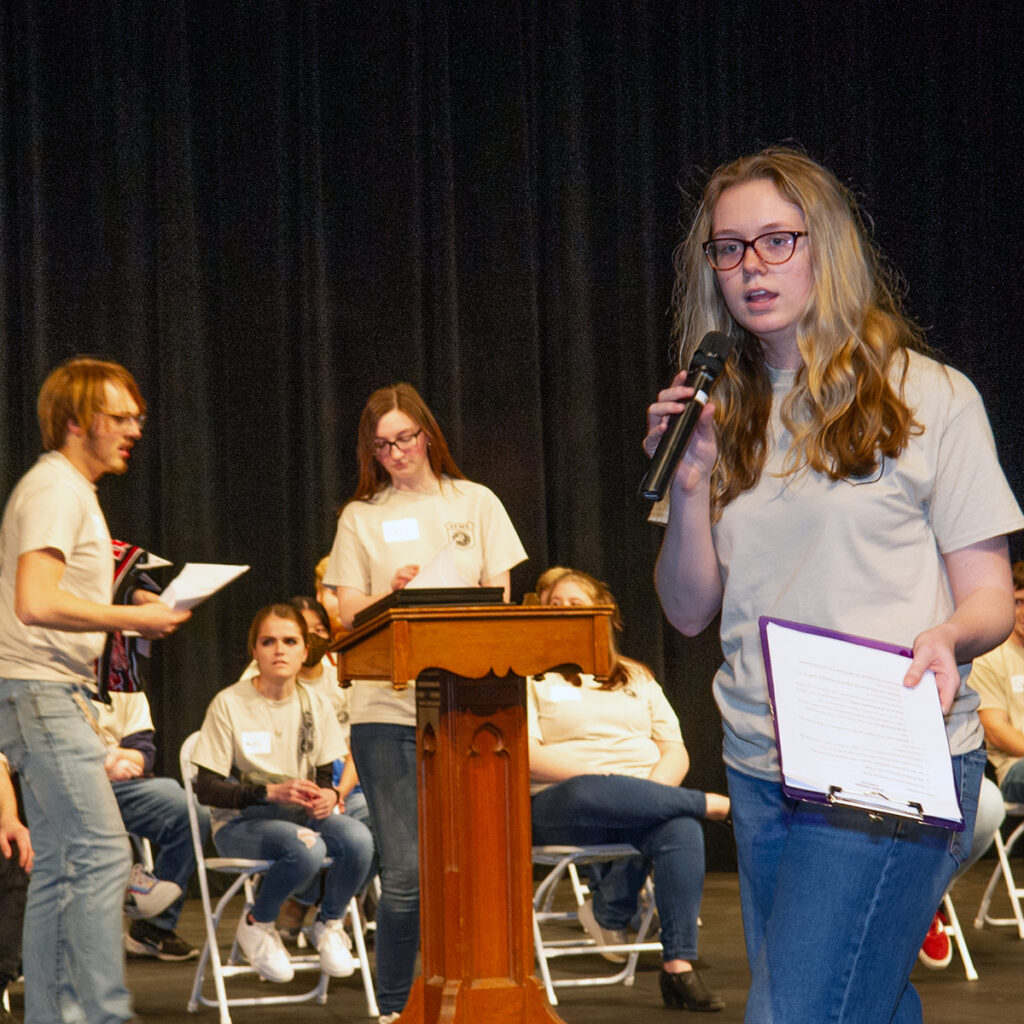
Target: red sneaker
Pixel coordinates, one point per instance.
(937, 950)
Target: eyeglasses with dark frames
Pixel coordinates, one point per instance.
(404, 443)
(774, 247)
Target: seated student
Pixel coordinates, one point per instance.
(606, 761)
(547, 579)
(15, 866)
(155, 809)
(998, 677)
(327, 597)
(265, 757)
(320, 671)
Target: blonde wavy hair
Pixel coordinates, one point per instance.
(846, 409)
(623, 669)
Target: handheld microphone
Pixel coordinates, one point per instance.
(706, 365)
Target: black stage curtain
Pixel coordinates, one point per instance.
(268, 209)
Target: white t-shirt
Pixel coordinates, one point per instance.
(615, 731)
(245, 731)
(326, 682)
(54, 506)
(126, 714)
(376, 538)
(998, 678)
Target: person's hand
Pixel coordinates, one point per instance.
(403, 576)
(699, 458)
(935, 649)
(121, 768)
(13, 831)
(154, 619)
(303, 792)
(326, 801)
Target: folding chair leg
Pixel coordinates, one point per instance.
(1013, 891)
(364, 964)
(954, 929)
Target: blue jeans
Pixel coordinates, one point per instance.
(157, 810)
(386, 759)
(660, 821)
(1012, 786)
(297, 845)
(836, 904)
(73, 956)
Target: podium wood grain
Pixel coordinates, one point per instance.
(470, 664)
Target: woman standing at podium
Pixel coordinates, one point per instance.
(411, 502)
(845, 479)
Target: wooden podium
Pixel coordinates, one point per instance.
(476, 879)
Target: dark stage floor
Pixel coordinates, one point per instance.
(161, 989)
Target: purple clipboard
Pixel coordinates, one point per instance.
(872, 803)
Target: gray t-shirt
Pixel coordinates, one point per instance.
(54, 506)
(862, 556)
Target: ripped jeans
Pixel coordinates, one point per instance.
(298, 848)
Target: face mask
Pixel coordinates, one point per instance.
(317, 649)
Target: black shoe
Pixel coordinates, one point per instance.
(146, 939)
(687, 991)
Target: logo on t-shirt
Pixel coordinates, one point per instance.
(462, 535)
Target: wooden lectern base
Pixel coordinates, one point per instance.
(476, 890)
(476, 874)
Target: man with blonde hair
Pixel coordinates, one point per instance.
(56, 573)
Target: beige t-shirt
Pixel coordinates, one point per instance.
(998, 678)
(376, 538)
(243, 731)
(327, 683)
(54, 506)
(615, 731)
(127, 713)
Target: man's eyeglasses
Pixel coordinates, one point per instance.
(404, 443)
(121, 419)
(775, 247)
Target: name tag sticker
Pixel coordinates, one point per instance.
(565, 691)
(396, 530)
(1017, 683)
(256, 743)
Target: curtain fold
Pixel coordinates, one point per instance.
(268, 210)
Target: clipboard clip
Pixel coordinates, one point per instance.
(875, 803)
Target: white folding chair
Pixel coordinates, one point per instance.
(1003, 870)
(143, 851)
(956, 933)
(564, 862)
(247, 874)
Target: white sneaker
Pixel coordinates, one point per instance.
(334, 947)
(264, 949)
(388, 1018)
(147, 895)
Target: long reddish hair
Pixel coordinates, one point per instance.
(373, 477)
